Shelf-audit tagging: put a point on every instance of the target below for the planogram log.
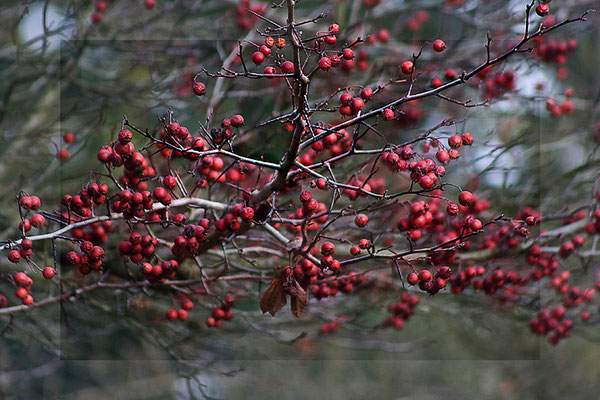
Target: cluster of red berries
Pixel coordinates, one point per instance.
(27, 203)
(95, 233)
(556, 110)
(401, 311)
(133, 204)
(417, 20)
(221, 313)
(174, 137)
(63, 153)
(428, 282)
(159, 272)
(232, 221)
(310, 206)
(332, 288)
(76, 207)
(23, 283)
(329, 327)
(553, 324)
(182, 313)
(188, 244)
(90, 258)
(494, 85)
(138, 247)
(335, 142)
(246, 19)
(100, 7)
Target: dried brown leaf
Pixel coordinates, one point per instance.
(299, 300)
(273, 299)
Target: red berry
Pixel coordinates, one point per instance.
(149, 4)
(407, 67)
(412, 278)
(182, 315)
(345, 98)
(68, 137)
(455, 141)
(62, 154)
(361, 220)
(258, 57)
(48, 272)
(171, 314)
(37, 220)
(465, 198)
(475, 224)
(334, 28)
(247, 213)
(331, 39)
(388, 114)
(14, 256)
(325, 63)
(236, 121)
(542, 9)
(100, 6)
(366, 93)
(467, 139)
(287, 67)
(348, 54)
(439, 45)
(425, 275)
(199, 88)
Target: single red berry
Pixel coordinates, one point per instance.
(475, 224)
(425, 275)
(467, 139)
(465, 198)
(357, 104)
(348, 54)
(345, 98)
(355, 250)
(48, 272)
(171, 314)
(334, 28)
(331, 39)
(100, 6)
(37, 220)
(182, 315)
(149, 4)
(407, 67)
(258, 57)
(236, 121)
(439, 45)
(327, 248)
(287, 67)
(170, 182)
(96, 18)
(325, 63)
(412, 278)
(68, 137)
(247, 213)
(266, 50)
(366, 93)
(455, 141)
(62, 154)
(269, 41)
(187, 304)
(542, 9)
(388, 114)
(199, 88)
(14, 256)
(361, 220)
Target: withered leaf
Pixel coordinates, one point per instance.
(299, 299)
(273, 299)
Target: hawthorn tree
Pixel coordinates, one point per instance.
(323, 177)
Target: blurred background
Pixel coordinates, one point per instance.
(67, 67)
